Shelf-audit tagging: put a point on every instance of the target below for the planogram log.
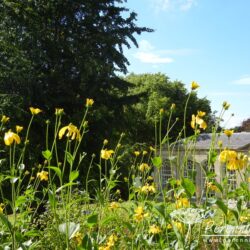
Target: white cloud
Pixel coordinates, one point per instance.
(172, 5)
(244, 80)
(149, 57)
(149, 54)
(145, 45)
(187, 4)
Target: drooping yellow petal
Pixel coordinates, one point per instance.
(10, 137)
(62, 132)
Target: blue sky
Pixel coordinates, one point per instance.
(207, 41)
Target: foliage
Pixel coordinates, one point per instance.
(51, 206)
(157, 92)
(56, 53)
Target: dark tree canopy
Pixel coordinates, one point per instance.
(58, 52)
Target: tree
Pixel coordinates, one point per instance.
(56, 53)
(244, 127)
(157, 92)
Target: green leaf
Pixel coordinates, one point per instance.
(86, 243)
(65, 185)
(92, 220)
(47, 155)
(20, 200)
(222, 206)
(69, 158)
(157, 161)
(57, 171)
(5, 221)
(73, 175)
(189, 186)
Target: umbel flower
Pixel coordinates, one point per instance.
(233, 160)
(72, 132)
(190, 215)
(10, 137)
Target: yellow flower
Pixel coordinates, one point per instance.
(89, 102)
(148, 189)
(228, 132)
(179, 226)
(226, 105)
(150, 178)
(77, 237)
(73, 132)
(59, 111)
(144, 167)
(140, 214)
(154, 229)
(194, 85)
(35, 111)
(1, 208)
(105, 142)
(4, 119)
(106, 154)
(173, 106)
(144, 152)
(182, 202)
(114, 205)
(197, 120)
(193, 121)
(201, 113)
(212, 187)
(19, 128)
(233, 160)
(137, 153)
(220, 143)
(43, 175)
(10, 137)
(152, 149)
(161, 111)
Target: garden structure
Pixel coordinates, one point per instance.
(190, 160)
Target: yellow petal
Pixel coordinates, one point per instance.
(62, 132)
